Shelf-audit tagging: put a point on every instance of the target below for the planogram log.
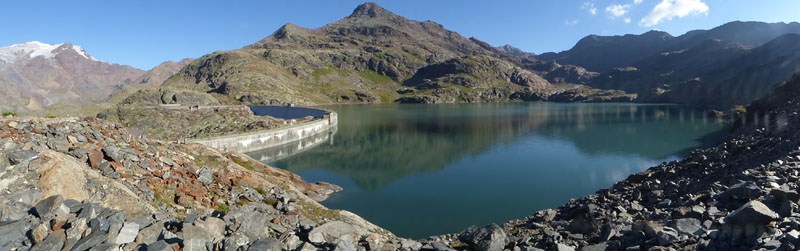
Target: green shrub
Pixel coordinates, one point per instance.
(12, 114)
(223, 208)
(261, 191)
(271, 201)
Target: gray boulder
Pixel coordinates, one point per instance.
(211, 228)
(54, 241)
(563, 247)
(266, 244)
(346, 244)
(93, 239)
(12, 234)
(127, 233)
(596, 247)
(50, 207)
(58, 144)
(489, 237)
(205, 175)
(667, 236)
(195, 245)
(112, 153)
(410, 244)
(7, 144)
(159, 246)
(744, 191)
(689, 226)
(235, 240)
(20, 156)
(150, 233)
(330, 231)
(753, 212)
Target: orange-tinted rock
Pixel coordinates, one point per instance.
(117, 166)
(95, 157)
(57, 223)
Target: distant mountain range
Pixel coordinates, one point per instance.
(36, 75)
(727, 65)
(374, 55)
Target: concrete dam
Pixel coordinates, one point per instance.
(280, 142)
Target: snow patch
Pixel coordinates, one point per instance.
(27, 50)
(83, 53)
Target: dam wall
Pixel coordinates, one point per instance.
(316, 130)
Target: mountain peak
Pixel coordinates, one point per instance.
(515, 51)
(69, 47)
(370, 10)
(32, 49)
(289, 29)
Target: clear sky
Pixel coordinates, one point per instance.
(145, 33)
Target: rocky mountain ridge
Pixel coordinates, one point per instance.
(374, 55)
(732, 64)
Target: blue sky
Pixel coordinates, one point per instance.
(147, 32)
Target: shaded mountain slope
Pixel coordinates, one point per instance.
(732, 64)
(604, 53)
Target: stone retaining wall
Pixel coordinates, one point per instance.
(255, 141)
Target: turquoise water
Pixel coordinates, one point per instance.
(422, 170)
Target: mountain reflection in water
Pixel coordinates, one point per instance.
(454, 161)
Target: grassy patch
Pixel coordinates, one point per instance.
(317, 214)
(375, 77)
(203, 160)
(12, 114)
(246, 164)
(459, 245)
(163, 196)
(317, 73)
(386, 95)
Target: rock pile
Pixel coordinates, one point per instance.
(70, 184)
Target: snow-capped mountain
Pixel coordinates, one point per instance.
(34, 75)
(28, 50)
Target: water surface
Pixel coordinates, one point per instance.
(422, 170)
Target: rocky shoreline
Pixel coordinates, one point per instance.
(739, 195)
(70, 184)
(87, 184)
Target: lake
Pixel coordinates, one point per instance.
(422, 170)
